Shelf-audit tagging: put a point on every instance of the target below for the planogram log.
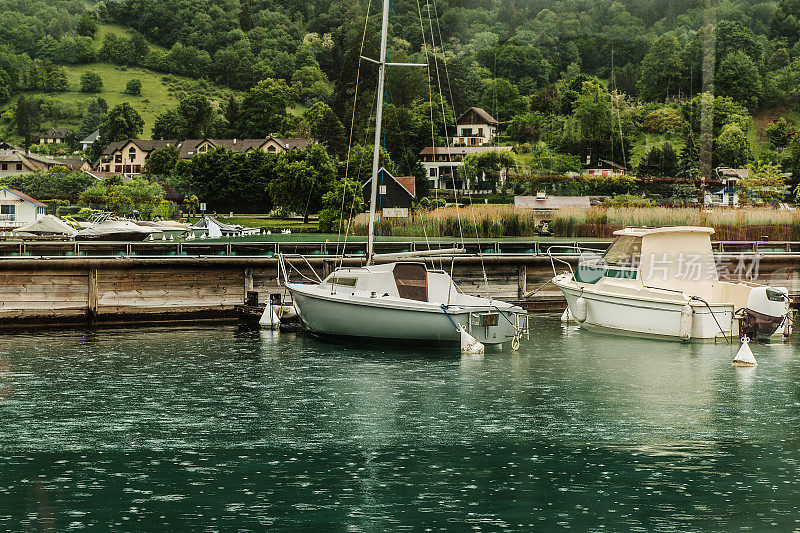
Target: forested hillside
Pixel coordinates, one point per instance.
(614, 79)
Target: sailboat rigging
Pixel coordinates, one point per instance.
(402, 300)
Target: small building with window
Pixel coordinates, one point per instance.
(128, 157)
(603, 167)
(55, 136)
(475, 127)
(272, 145)
(395, 194)
(15, 161)
(17, 209)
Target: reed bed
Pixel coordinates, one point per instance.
(494, 221)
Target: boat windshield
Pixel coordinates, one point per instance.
(625, 251)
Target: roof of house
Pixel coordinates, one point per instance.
(92, 137)
(487, 118)
(463, 150)
(406, 182)
(24, 196)
(145, 145)
(552, 202)
(597, 164)
(29, 160)
(56, 133)
(740, 173)
(188, 148)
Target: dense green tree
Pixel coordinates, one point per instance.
(302, 178)
(344, 198)
(91, 82)
(121, 123)
(786, 20)
(161, 162)
(738, 78)
(95, 112)
(662, 69)
(56, 182)
(198, 115)
(87, 25)
(169, 125)
(134, 87)
(263, 109)
(502, 99)
(325, 127)
(733, 148)
(778, 134)
(27, 117)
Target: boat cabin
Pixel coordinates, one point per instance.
(670, 260)
(407, 280)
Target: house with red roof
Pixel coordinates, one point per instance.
(395, 194)
(475, 127)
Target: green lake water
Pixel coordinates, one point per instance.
(226, 429)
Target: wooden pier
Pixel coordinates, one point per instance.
(134, 289)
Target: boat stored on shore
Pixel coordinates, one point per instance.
(663, 282)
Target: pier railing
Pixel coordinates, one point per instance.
(65, 249)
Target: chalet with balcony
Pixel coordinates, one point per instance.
(475, 127)
(440, 163)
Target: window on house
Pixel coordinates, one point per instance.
(480, 132)
(19, 166)
(118, 158)
(7, 212)
(433, 171)
(270, 149)
(382, 189)
(5, 166)
(202, 148)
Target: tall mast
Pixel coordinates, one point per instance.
(378, 120)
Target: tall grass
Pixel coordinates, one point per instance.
(507, 221)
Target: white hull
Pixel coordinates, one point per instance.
(650, 317)
(348, 315)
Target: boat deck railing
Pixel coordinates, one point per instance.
(557, 248)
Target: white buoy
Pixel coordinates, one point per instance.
(744, 357)
(172, 237)
(202, 235)
(163, 237)
(567, 316)
(269, 232)
(580, 310)
(469, 344)
(269, 319)
(150, 237)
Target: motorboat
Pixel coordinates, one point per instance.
(400, 301)
(48, 225)
(663, 282)
(106, 227)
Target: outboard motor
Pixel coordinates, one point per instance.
(767, 309)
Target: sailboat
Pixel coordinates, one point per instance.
(401, 301)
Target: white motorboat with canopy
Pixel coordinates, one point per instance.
(664, 282)
(399, 301)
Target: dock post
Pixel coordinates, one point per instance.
(522, 281)
(248, 282)
(92, 300)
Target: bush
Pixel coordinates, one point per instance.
(134, 87)
(91, 82)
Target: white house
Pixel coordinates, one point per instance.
(440, 163)
(727, 192)
(603, 167)
(89, 140)
(17, 209)
(475, 127)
